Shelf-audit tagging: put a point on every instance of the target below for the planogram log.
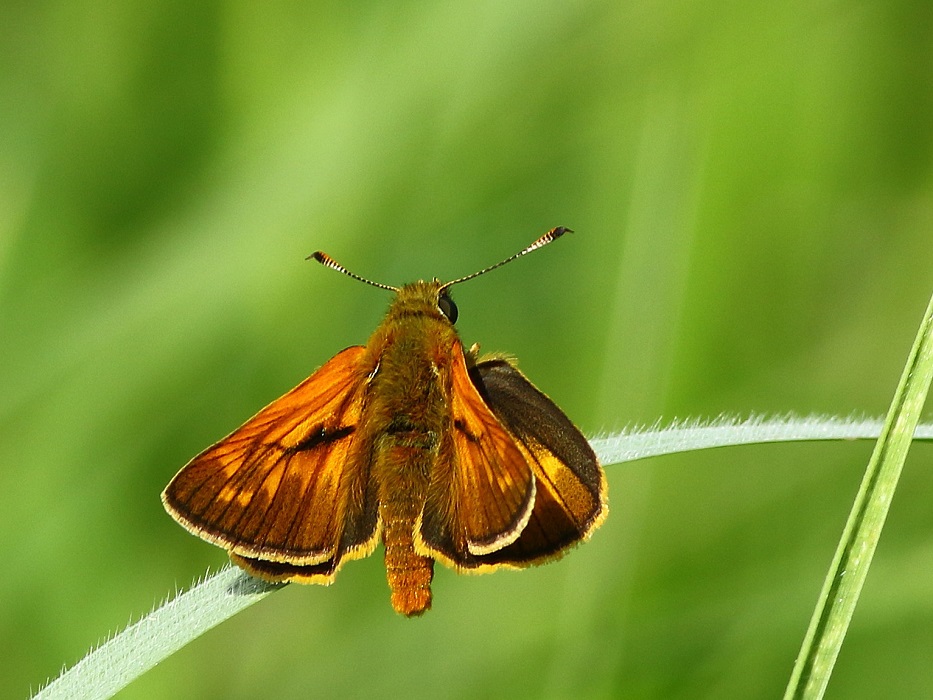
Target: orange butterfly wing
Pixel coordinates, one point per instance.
(482, 488)
(288, 492)
(505, 429)
(571, 499)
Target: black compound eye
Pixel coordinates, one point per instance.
(447, 307)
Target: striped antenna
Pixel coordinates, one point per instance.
(328, 261)
(551, 235)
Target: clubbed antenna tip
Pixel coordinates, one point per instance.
(551, 235)
(328, 261)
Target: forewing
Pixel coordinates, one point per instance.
(482, 489)
(570, 501)
(290, 485)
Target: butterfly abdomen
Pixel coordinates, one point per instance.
(403, 471)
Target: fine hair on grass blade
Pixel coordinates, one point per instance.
(123, 658)
(849, 567)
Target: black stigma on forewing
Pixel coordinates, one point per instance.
(321, 436)
(461, 426)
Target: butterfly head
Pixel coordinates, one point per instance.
(425, 298)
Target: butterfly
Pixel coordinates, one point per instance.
(411, 440)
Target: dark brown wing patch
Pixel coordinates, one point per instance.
(571, 487)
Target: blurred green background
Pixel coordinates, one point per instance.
(751, 187)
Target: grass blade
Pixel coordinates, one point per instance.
(123, 658)
(849, 567)
(689, 435)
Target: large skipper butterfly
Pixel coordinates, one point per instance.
(409, 439)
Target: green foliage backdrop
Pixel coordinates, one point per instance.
(752, 191)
